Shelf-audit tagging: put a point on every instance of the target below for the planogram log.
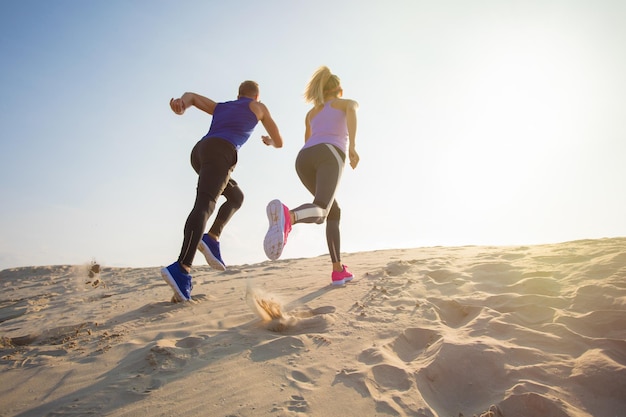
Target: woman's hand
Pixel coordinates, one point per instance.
(354, 158)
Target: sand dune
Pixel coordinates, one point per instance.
(434, 332)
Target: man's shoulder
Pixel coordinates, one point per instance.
(258, 105)
(259, 109)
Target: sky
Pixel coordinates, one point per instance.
(480, 123)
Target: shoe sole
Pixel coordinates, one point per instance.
(210, 259)
(274, 241)
(167, 277)
(342, 281)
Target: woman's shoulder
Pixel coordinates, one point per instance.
(345, 104)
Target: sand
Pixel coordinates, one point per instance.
(441, 331)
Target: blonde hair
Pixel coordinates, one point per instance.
(321, 84)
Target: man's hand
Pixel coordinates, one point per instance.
(177, 105)
(267, 140)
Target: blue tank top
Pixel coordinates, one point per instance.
(329, 126)
(233, 121)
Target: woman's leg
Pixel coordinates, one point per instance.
(319, 169)
(320, 172)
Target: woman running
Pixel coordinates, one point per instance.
(330, 132)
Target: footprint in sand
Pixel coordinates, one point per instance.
(165, 358)
(398, 268)
(304, 380)
(412, 343)
(453, 314)
(391, 377)
(189, 342)
(283, 346)
(173, 355)
(297, 404)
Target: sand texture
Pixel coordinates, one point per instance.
(520, 331)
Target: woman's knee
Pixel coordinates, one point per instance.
(335, 213)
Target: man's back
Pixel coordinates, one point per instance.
(233, 121)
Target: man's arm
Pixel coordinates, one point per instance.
(205, 104)
(270, 126)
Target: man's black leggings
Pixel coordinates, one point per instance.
(214, 160)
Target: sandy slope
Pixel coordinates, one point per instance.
(499, 331)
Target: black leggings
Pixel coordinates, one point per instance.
(214, 160)
(319, 168)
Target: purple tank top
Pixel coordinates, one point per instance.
(233, 121)
(329, 126)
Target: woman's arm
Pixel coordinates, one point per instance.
(307, 125)
(351, 120)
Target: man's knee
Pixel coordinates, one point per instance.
(237, 201)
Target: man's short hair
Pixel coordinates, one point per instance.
(249, 89)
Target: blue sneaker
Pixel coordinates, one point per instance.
(180, 281)
(211, 250)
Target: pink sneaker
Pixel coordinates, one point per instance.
(341, 277)
(280, 226)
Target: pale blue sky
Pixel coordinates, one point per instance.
(483, 122)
